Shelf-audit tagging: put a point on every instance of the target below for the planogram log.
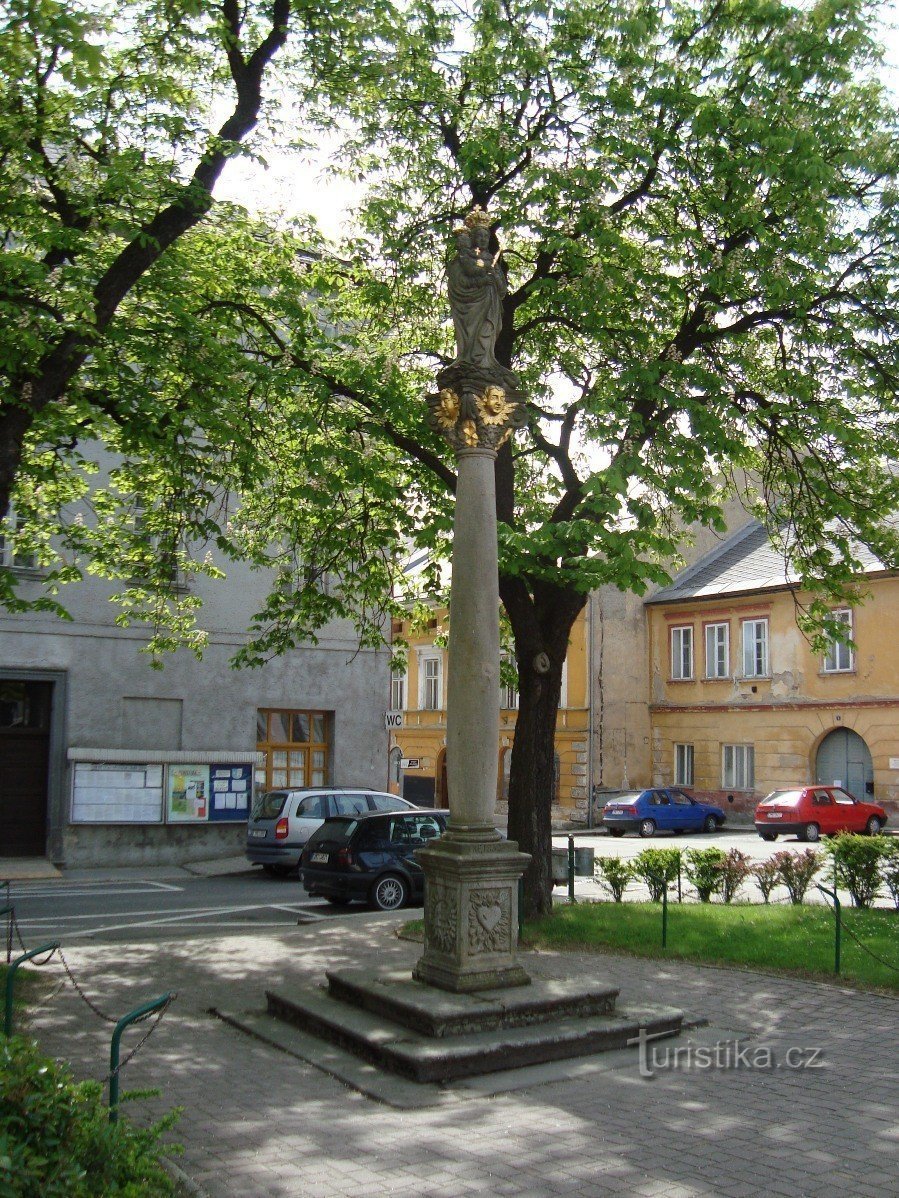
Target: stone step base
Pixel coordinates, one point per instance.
(424, 1058)
(396, 996)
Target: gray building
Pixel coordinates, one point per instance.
(104, 760)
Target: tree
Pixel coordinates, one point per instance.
(142, 316)
(697, 211)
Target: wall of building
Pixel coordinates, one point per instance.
(787, 714)
(112, 699)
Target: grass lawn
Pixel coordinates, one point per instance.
(791, 939)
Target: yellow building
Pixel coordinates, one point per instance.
(418, 748)
(739, 704)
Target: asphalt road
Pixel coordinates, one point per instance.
(108, 910)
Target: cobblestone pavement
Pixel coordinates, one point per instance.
(259, 1123)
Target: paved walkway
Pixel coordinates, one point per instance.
(260, 1124)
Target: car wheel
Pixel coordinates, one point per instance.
(647, 828)
(768, 835)
(616, 831)
(872, 827)
(811, 832)
(338, 900)
(710, 824)
(389, 893)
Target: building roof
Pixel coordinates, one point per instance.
(745, 561)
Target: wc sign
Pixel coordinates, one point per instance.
(393, 720)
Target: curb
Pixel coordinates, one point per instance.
(186, 1183)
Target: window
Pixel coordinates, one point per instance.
(296, 747)
(839, 656)
(717, 650)
(508, 695)
(9, 556)
(161, 547)
(431, 684)
(738, 767)
(755, 648)
(682, 652)
(398, 689)
(683, 765)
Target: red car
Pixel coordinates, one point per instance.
(812, 811)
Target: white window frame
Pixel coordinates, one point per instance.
(682, 652)
(8, 556)
(430, 685)
(755, 648)
(683, 765)
(738, 767)
(717, 650)
(398, 681)
(840, 656)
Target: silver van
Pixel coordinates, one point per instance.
(283, 820)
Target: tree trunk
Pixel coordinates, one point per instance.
(541, 623)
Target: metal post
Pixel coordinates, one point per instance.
(138, 1013)
(11, 979)
(571, 898)
(665, 916)
(9, 910)
(837, 910)
(680, 893)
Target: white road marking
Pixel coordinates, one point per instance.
(82, 889)
(185, 915)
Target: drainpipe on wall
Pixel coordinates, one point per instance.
(592, 688)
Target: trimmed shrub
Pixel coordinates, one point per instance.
(767, 876)
(857, 864)
(889, 868)
(735, 869)
(657, 868)
(797, 871)
(703, 869)
(614, 875)
(56, 1140)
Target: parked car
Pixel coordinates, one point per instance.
(370, 858)
(812, 811)
(663, 809)
(283, 820)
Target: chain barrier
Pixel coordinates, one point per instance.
(844, 927)
(144, 1038)
(13, 930)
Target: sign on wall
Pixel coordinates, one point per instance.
(231, 791)
(393, 720)
(187, 793)
(108, 793)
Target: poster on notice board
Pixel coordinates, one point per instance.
(187, 793)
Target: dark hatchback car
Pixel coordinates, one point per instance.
(370, 858)
(662, 809)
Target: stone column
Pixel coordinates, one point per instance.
(472, 873)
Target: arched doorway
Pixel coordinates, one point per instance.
(395, 771)
(844, 758)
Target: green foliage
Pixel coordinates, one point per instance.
(797, 871)
(657, 868)
(857, 862)
(735, 869)
(614, 874)
(767, 876)
(889, 869)
(56, 1140)
(704, 869)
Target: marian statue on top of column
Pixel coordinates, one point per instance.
(477, 286)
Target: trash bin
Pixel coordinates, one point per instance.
(583, 865)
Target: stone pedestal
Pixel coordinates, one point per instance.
(471, 915)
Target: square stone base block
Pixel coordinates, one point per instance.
(471, 915)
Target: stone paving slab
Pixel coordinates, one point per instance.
(258, 1123)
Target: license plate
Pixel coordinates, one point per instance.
(258, 833)
(319, 858)
(775, 815)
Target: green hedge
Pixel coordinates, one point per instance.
(56, 1140)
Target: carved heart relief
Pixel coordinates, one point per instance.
(489, 917)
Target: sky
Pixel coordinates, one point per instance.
(298, 186)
